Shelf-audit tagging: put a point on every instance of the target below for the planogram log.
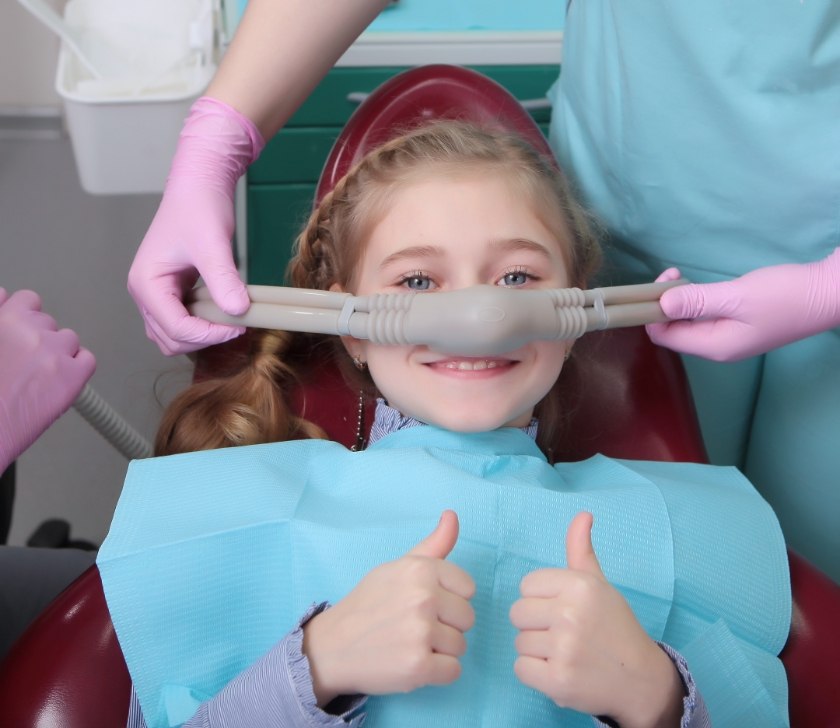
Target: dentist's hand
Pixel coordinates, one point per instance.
(581, 645)
(192, 230)
(400, 629)
(42, 371)
(759, 311)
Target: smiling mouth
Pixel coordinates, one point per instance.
(472, 365)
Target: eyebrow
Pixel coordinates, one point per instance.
(521, 244)
(431, 251)
(414, 251)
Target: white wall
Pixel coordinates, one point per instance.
(28, 53)
(75, 250)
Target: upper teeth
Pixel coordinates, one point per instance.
(471, 365)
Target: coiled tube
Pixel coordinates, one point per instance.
(108, 423)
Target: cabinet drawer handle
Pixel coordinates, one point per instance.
(357, 97)
(535, 104)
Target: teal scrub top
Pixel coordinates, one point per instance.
(706, 135)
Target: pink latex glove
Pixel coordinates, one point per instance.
(192, 230)
(759, 311)
(42, 371)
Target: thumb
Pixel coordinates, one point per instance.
(703, 300)
(223, 281)
(683, 302)
(580, 555)
(441, 541)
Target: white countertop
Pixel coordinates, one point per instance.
(466, 48)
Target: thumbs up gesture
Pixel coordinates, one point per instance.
(580, 644)
(400, 629)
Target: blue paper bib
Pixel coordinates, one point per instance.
(214, 556)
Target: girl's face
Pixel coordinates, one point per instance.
(444, 234)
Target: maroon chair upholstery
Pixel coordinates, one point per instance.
(626, 398)
(413, 98)
(67, 670)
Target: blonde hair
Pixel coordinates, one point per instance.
(252, 405)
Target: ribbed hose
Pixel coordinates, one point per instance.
(111, 426)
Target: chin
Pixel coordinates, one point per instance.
(466, 421)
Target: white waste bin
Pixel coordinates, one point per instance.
(124, 127)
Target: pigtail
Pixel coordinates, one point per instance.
(246, 408)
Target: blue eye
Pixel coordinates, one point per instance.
(417, 282)
(514, 278)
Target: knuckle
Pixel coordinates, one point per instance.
(585, 589)
(419, 632)
(418, 568)
(416, 668)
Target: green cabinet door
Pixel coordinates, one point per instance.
(276, 214)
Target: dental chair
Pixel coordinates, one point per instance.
(626, 397)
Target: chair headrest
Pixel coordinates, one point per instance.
(420, 95)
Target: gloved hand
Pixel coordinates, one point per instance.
(42, 371)
(759, 311)
(192, 230)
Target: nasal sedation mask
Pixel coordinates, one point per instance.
(477, 321)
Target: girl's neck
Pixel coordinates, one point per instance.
(387, 420)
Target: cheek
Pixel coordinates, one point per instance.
(548, 367)
(384, 366)
(551, 355)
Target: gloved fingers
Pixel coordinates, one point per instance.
(35, 320)
(24, 300)
(163, 312)
(168, 323)
(718, 340)
(84, 365)
(702, 300)
(223, 281)
(67, 342)
(669, 274)
(191, 334)
(3, 295)
(74, 372)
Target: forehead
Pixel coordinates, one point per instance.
(447, 209)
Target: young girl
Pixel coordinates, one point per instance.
(520, 630)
